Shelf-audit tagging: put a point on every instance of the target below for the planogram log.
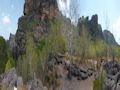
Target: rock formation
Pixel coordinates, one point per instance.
(109, 38)
(37, 14)
(12, 45)
(95, 30)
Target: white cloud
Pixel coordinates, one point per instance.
(6, 20)
(116, 30)
(64, 6)
(10, 30)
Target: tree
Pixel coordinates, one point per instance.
(3, 54)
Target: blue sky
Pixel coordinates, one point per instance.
(10, 11)
(107, 10)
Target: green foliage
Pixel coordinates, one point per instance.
(3, 54)
(32, 23)
(23, 68)
(100, 47)
(10, 64)
(91, 51)
(28, 23)
(83, 43)
(96, 84)
(99, 84)
(117, 52)
(27, 64)
(52, 42)
(33, 62)
(56, 40)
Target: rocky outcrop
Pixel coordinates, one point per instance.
(109, 38)
(12, 46)
(95, 30)
(37, 14)
(92, 26)
(38, 6)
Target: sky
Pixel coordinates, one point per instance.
(107, 10)
(10, 11)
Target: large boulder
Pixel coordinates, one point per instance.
(111, 67)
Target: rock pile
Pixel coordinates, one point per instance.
(79, 72)
(112, 69)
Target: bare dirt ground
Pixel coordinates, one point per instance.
(77, 84)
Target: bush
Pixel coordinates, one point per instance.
(3, 54)
(10, 64)
(99, 84)
(56, 39)
(52, 42)
(27, 64)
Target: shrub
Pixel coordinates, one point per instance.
(52, 42)
(10, 64)
(27, 64)
(99, 84)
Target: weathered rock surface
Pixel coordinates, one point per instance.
(94, 29)
(37, 14)
(12, 45)
(112, 69)
(109, 38)
(38, 6)
(79, 72)
(9, 79)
